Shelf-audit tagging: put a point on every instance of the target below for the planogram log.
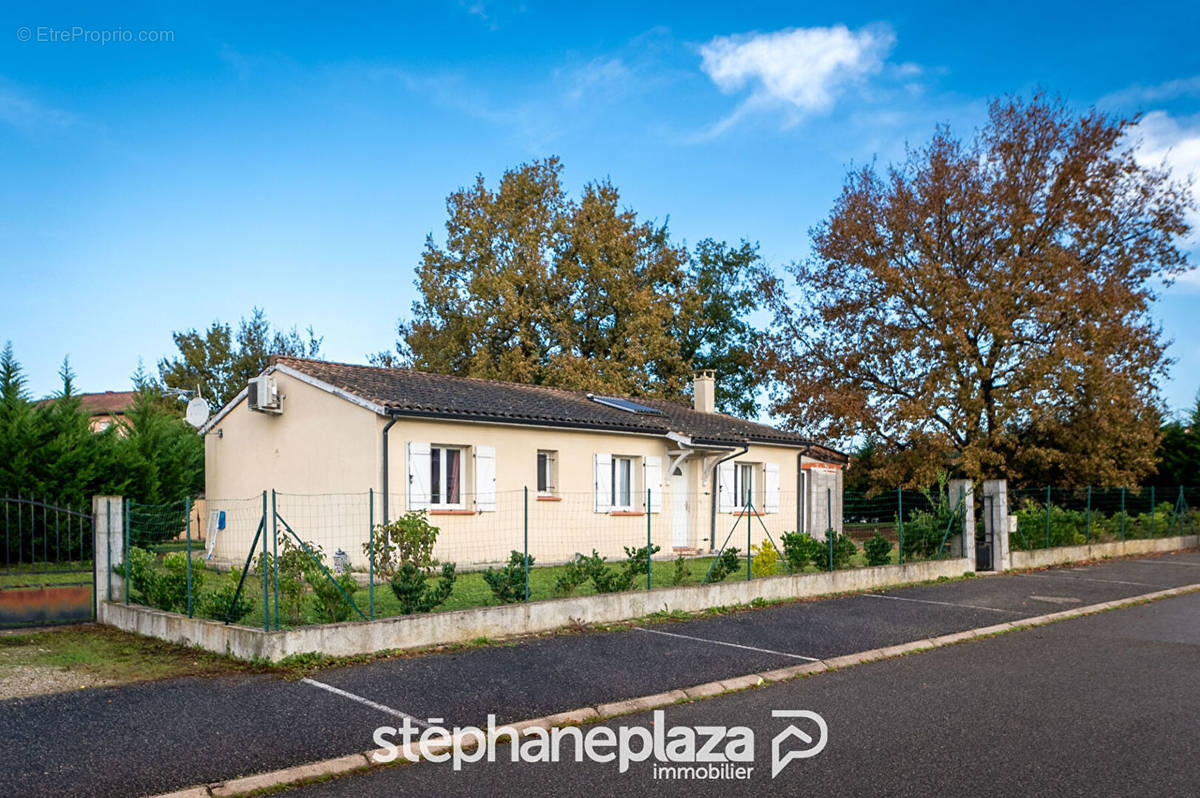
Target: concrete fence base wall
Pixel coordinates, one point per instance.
(1039, 558)
(460, 626)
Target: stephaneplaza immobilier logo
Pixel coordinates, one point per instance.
(700, 753)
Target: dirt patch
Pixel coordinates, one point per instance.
(18, 681)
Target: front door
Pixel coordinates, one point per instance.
(681, 536)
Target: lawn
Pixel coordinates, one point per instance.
(38, 574)
(75, 657)
(470, 589)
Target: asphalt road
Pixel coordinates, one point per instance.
(1103, 705)
(160, 736)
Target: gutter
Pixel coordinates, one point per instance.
(712, 533)
(392, 419)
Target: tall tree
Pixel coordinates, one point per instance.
(221, 361)
(990, 299)
(48, 449)
(18, 426)
(727, 282)
(1179, 452)
(534, 286)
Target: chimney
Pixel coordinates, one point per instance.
(704, 392)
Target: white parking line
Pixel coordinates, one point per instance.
(366, 702)
(1167, 562)
(1094, 579)
(723, 643)
(940, 603)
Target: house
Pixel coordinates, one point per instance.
(107, 408)
(496, 464)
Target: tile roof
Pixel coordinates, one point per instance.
(407, 392)
(107, 403)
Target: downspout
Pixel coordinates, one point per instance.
(712, 532)
(393, 419)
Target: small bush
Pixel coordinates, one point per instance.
(607, 580)
(843, 550)
(508, 583)
(878, 550)
(637, 561)
(724, 565)
(574, 574)
(165, 588)
(682, 571)
(333, 599)
(408, 539)
(765, 561)
(292, 562)
(218, 603)
(800, 550)
(409, 586)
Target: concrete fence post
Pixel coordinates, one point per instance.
(108, 541)
(996, 521)
(962, 543)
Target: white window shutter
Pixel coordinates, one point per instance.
(654, 482)
(770, 487)
(725, 498)
(603, 482)
(418, 475)
(485, 479)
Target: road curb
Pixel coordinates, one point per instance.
(328, 768)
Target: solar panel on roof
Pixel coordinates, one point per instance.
(624, 404)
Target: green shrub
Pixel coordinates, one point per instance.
(403, 554)
(408, 539)
(843, 550)
(682, 571)
(573, 575)
(292, 581)
(508, 583)
(624, 574)
(409, 586)
(165, 587)
(724, 565)
(878, 550)
(637, 561)
(218, 603)
(800, 550)
(604, 579)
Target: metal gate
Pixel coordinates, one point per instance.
(47, 571)
(985, 541)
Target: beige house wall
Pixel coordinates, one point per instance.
(323, 454)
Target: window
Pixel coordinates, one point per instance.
(743, 484)
(622, 483)
(546, 483)
(445, 476)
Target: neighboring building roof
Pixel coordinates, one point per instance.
(416, 393)
(109, 403)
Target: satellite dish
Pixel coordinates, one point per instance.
(197, 412)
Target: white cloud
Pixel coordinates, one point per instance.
(1161, 92)
(1164, 140)
(18, 108)
(1175, 142)
(801, 70)
(608, 77)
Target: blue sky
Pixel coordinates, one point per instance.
(295, 157)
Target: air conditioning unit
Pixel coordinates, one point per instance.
(262, 393)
